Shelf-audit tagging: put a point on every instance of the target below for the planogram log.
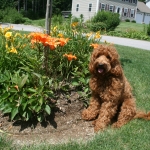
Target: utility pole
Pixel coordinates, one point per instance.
(48, 29)
(48, 16)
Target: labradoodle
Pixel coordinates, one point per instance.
(111, 92)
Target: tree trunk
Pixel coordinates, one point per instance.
(18, 5)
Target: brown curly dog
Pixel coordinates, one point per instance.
(111, 92)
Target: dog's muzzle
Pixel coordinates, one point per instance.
(101, 68)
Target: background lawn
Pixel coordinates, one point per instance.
(123, 26)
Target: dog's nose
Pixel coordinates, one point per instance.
(100, 64)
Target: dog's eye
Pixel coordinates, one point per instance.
(108, 57)
(98, 55)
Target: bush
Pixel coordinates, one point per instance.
(12, 16)
(32, 75)
(99, 26)
(110, 19)
(1, 15)
(133, 21)
(127, 20)
(148, 30)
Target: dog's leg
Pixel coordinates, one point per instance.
(127, 113)
(92, 111)
(107, 112)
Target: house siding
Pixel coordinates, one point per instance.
(148, 4)
(122, 5)
(139, 16)
(84, 8)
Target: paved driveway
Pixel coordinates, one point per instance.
(116, 40)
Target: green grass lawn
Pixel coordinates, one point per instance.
(133, 136)
(129, 25)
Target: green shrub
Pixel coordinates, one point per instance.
(75, 19)
(1, 15)
(110, 19)
(148, 30)
(57, 19)
(133, 21)
(12, 16)
(99, 26)
(127, 20)
(130, 33)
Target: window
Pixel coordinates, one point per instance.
(90, 7)
(111, 8)
(118, 10)
(132, 13)
(77, 7)
(103, 7)
(133, 1)
(125, 11)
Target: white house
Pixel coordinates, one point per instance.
(143, 13)
(148, 3)
(128, 9)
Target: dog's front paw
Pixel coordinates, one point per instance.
(117, 125)
(99, 126)
(86, 115)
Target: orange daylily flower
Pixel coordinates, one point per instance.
(47, 40)
(16, 87)
(94, 45)
(70, 57)
(63, 41)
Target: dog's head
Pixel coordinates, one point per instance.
(105, 60)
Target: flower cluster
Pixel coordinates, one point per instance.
(12, 40)
(94, 45)
(74, 24)
(70, 57)
(47, 40)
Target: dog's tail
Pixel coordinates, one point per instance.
(142, 115)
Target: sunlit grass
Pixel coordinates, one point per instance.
(123, 26)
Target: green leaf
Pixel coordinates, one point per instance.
(86, 90)
(6, 110)
(32, 90)
(48, 109)
(14, 112)
(75, 83)
(5, 95)
(82, 80)
(23, 82)
(41, 100)
(38, 75)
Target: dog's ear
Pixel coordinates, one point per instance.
(117, 70)
(91, 68)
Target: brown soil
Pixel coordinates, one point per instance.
(63, 125)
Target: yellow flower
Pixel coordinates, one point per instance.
(6, 29)
(6, 46)
(74, 24)
(54, 29)
(18, 34)
(97, 35)
(13, 50)
(60, 35)
(8, 35)
(89, 34)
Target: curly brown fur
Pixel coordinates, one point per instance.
(111, 92)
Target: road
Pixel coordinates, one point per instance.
(116, 40)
